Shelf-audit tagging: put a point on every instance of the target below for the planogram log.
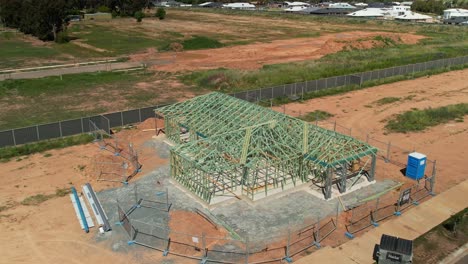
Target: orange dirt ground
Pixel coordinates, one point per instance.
(49, 232)
(254, 56)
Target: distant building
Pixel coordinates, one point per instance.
(330, 9)
(244, 6)
(368, 13)
(455, 16)
(361, 5)
(98, 16)
(211, 5)
(414, 17)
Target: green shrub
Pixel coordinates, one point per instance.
(37, 199)
(418, 120)
(160, 13)
(103, 9)
(316, 115)
(139, 16)
(201, 42)
(387, 100)
(62, 37)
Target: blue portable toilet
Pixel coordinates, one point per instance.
(416, 165)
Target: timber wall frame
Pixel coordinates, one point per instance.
(226, 145)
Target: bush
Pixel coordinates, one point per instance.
(139, 16)
(62, 37)
(160, 13)
(417, 120)
(103, 9)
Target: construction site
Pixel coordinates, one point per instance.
(226, 147)
(216, 179)
(247, 184)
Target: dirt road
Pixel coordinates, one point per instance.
(69, 70)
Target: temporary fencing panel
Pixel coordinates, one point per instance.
(49, 131)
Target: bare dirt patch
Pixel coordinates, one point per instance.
(79, 42)
(254, 56)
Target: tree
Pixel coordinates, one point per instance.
(429, 6)
(40, 18)
(160, 13)
(139, 16)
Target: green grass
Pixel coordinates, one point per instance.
(34, 101)
(14, 51)
(40, 198)
(10, 152)
(367, 84)
(418, 120)
(341, 63)
(114, 41)
(316, 115)
(201, 42)
(387, 100)
(37, 199)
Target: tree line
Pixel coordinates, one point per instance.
(45, 19)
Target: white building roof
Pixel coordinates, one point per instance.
(295, 8)
(368, 12)
(297, 4)
(239, 5)
(205, 4)
(413, 16)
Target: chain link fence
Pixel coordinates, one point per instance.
(365, 214)
(153, 232)
(19, 136)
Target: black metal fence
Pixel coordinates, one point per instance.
(299, 89)
(71, 127)
(59, 129)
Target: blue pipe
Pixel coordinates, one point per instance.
(82, 215)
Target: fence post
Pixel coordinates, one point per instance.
(37, 132)
(374, 216)
(121, 118)
(302, 91)
(287, 257)
(317, 234)
(432, 182)
(205, 251)
(334, 126)
(135, 193)
(367, 138)
(60, 128)
(14, 138)
(167, 199)
(246, 249)
(398, 212)
(387, 159)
